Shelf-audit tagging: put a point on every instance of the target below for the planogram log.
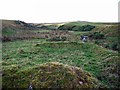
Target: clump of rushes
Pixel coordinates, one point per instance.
(49, 75)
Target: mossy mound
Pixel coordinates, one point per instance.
(49, 75)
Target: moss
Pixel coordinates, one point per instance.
(49, 75)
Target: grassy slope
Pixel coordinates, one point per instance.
(111, 34)
(13, 27)
(49, 75)
(100, 62)
(8, 27)
(110, 31)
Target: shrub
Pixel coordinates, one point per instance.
(87, 27)
(97, 42)
(114, 46)
(107, 46)
(98, 35)
(76, 27)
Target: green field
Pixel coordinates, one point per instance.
(58, 58)
(100, 62)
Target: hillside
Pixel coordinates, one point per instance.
(53, 55)
(16, 24)
(103, 34)
(110, 36)
(16, 29)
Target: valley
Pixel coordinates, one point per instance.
(38, 54)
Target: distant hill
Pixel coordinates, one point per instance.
(16, 29)
(16, 24)
(105, 34)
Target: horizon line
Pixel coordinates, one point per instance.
(62, 21)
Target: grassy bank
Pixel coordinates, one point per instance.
(100, 62)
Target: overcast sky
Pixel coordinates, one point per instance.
(41, 11)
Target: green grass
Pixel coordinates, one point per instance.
(81, 23)
(8, 32)
(40, 31)
(91, 57)
(49, 75)
(19, 58)
(79, 33)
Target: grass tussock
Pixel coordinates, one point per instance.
(49, 75)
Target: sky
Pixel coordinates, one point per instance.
(51, 11)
